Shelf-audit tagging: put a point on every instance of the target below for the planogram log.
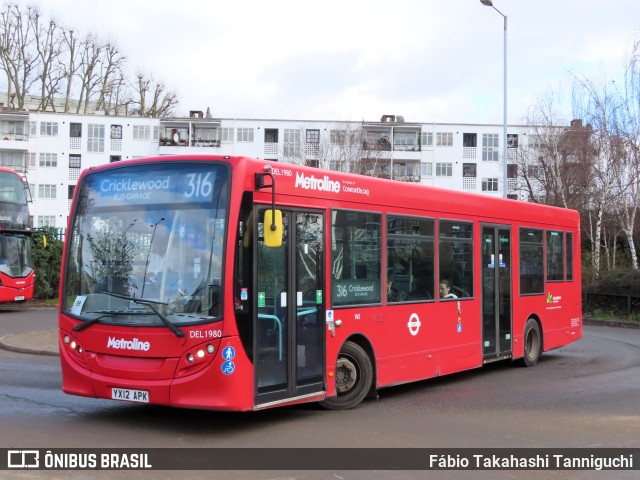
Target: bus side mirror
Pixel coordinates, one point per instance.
(272, 228)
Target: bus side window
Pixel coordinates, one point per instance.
(455, 245)
(410, 259)
(356, 258)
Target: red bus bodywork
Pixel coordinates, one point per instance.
(405, 341)
(17, 277)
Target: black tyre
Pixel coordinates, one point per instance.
(354, 376)
(532, 343)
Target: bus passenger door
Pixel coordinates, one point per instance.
(496, 292)
(289, 326)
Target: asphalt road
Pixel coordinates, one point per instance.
(582, 395)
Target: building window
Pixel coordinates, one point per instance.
(75, 130)
(312, 163)
(46, 221)
(226, 135)
(49, 129)
(114, 158)
(489, 184)
(337, 137)
(469, 170)
(405, 138)
(46, 191)
(444, 139)
(512, 140)
(444, 169)
(270, 135)
(32, 128)
(95, 139)
(30, 159)
(141, 132)
(426, 169)
(74, 161)
(291, 147)
(71, 190)
(490, 147)
(245, 135)
(426, 139)
(313, 136)
(116, 132)
(535, 142)
(48, 160)
(469, 139)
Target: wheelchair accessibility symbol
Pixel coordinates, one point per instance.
(228, 368)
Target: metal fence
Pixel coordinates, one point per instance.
(615, 304)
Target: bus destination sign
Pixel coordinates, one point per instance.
(194, 185)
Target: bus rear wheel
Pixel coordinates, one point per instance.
(532, 343)
(353, 377)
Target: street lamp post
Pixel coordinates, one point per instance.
(489, 3)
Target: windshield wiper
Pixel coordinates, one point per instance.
(91, 321)
(151, 304)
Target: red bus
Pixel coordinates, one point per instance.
(16, 270)
(231, 283)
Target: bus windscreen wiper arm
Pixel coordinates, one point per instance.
(150, 303)
(91, 321)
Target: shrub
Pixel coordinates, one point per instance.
(46, 262)
(620, 282)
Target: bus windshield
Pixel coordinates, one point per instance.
(14, 255)
(146, 245)
(12, 189)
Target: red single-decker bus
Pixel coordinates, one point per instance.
(232, 283)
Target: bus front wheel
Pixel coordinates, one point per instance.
(353, 377)
(532, 343)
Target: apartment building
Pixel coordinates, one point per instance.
(51, 149)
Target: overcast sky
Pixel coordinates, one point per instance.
(428, 60)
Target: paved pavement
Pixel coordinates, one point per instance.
(45, 342)
(39, 342)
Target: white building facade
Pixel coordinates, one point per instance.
(53, 148)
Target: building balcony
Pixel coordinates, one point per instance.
(14, 141)
(406, 148)
(165, 142)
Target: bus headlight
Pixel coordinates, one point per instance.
(73, 349)
(197, 358)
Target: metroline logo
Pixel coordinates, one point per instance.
(122, 344)
(324, 184)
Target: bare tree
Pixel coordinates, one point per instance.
(599, 104)
(70, 64)
(90, 70)
(628, 170)
(111, 78)
(48, 43)
(19, 60)
(152, 98)
(555, 164)
(47, 66)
